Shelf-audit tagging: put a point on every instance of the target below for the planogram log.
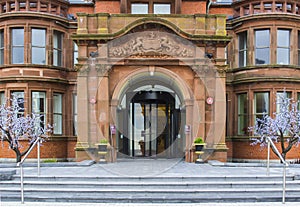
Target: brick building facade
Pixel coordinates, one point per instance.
(152, 73)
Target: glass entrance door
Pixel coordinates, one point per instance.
(151, 130)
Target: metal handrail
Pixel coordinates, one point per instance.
(285, 164)
(20, 164)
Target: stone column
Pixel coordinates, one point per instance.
(83, 118)
(219, 108)
(189, 136)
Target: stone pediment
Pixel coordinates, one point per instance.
(150, 44)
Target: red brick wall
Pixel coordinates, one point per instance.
(229, 151)
(112, 7)
(191, 7)
(243, 150)
(51, 149)
(227, 11)
(81, 9)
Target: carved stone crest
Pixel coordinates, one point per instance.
(149, 44)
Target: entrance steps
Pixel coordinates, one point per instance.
(152, 189)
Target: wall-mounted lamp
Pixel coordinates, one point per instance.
(209, 55)
(94, 54)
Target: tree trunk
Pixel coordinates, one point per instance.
(18, 154)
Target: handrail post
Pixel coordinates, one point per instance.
(268, 160)
(284, 184)
(22, 183)
(20, 164)
(39, 157)
(284, 168)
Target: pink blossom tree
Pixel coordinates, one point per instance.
(283, 127)
(16, 126)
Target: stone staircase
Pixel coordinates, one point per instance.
(154, 189)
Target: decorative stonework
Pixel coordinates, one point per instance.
(103, 69)
(151, 44)
(82, 68)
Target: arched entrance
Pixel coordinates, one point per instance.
(151, 114)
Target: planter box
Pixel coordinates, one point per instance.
(199, 147)
(102, 147)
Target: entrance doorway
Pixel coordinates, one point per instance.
(152, 127)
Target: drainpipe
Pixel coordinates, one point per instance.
(208, 6)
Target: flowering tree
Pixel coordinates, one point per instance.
(283, 128)
(15, 126)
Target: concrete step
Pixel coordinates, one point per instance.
(157, 178)
(151, 189)
(149, 184)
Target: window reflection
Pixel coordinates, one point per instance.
(262, 47)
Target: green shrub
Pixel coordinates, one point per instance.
(199, 140)
(103, 141)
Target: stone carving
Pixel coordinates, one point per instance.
(103, 69)
(151, 44)
(82, 68)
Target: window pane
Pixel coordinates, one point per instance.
(57, 48)
(242, 49)
(38, 55)
(262, 56)
(242, 114)
(38, 37)
(57, 105)
(262, 47)
(75, 114)
(57, 59)
(261, 103)
(18, 55)
(18, 37)
(20, 97)
(75, 53)
(242, 40)
(162, 8)
(262, 38)
(279, 97)
(38, 102)
(38, 106)
(57, 124)
(2, 97)
(1, 47)
(283, 38)
(57, 113)
(298, 47)
(283, 56)
(17, 46)
(139, 8)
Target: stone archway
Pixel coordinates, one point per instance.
(166, 78)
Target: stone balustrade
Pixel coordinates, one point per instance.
(251, 7)
(53, 7)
